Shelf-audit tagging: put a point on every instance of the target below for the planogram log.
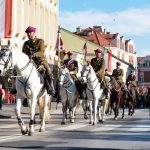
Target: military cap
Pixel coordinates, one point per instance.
(69, 53)
(30, 29)
(118, 63)
(98, 50)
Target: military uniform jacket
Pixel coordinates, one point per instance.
(132, 79)
(72, 65)
(36, 48)
(98, 65)
(118, 75)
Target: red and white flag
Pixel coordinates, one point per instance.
(59, 43)
(85, 49)
(5, 18)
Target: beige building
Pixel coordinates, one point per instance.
(42, 14)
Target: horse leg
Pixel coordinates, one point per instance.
(99, 113)
(123, 107)
(105, 103)
(95, 111)
(91, 112)
(45, 112)
(32, 114)
(71, 111)
(23, 128)
(85, 108)
(116, 111)
(64, 110)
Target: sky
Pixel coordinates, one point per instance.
(129, 18)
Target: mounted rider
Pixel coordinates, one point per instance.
(98, 64)
(132, 79)
(72, 65)
(35, 48)
(118, 74)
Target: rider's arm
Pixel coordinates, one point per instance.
(101, 67)
(41, 49)
(120, 77)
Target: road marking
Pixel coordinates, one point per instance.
(140, 128)
(5, 138)
(72, 127)
(106, 128)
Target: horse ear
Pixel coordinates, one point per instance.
(64, 66)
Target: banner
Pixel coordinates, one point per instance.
(5, 18)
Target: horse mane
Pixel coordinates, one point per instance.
(115, 84)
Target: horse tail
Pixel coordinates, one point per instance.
(107, 106)
(44, 107)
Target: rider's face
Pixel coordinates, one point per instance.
(97, 54)
(70, 56)
(31, 35)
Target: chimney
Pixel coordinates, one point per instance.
(104, 31)
(98, 28)
(78, 29)
(107, 32)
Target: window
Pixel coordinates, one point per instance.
(141, 78)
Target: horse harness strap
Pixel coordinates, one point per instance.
(94, 87)
(25, 83)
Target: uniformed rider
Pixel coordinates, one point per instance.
(118, 74)
(98, 64)
(34, 48)
(72, 65)
(132, 79)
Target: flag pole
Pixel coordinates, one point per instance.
(58, 50)
(85, 52)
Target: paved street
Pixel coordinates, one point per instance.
(130, 133)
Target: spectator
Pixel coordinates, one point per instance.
(2, 94)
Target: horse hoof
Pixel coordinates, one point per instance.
(94, 124)
(90, 122)
(63, 123)
(86, 117)
(24, 132)
(101, 121)
(41, 130)
(30, 133)
(71, 121)
(115, 118)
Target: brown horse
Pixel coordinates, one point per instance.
(131, 100)
(115, 97)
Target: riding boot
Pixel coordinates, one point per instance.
(125, 93)
(106, 93)
(79, 88)
(49, 80)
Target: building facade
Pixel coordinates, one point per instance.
(17, 15)
(144, 71)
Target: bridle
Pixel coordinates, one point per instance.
(66, 83)
(9, 59)
(87, 78)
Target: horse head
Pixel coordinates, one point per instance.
(86, 71)
(64, 75)
(5, 59)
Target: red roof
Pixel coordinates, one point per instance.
(97, 37)
(139, 59)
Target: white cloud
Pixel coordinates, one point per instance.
(132, 21)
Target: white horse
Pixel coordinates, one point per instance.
(28, 85)
(68, 94)
(95, 95)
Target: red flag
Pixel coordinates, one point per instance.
(59, 43)
(85, 49)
